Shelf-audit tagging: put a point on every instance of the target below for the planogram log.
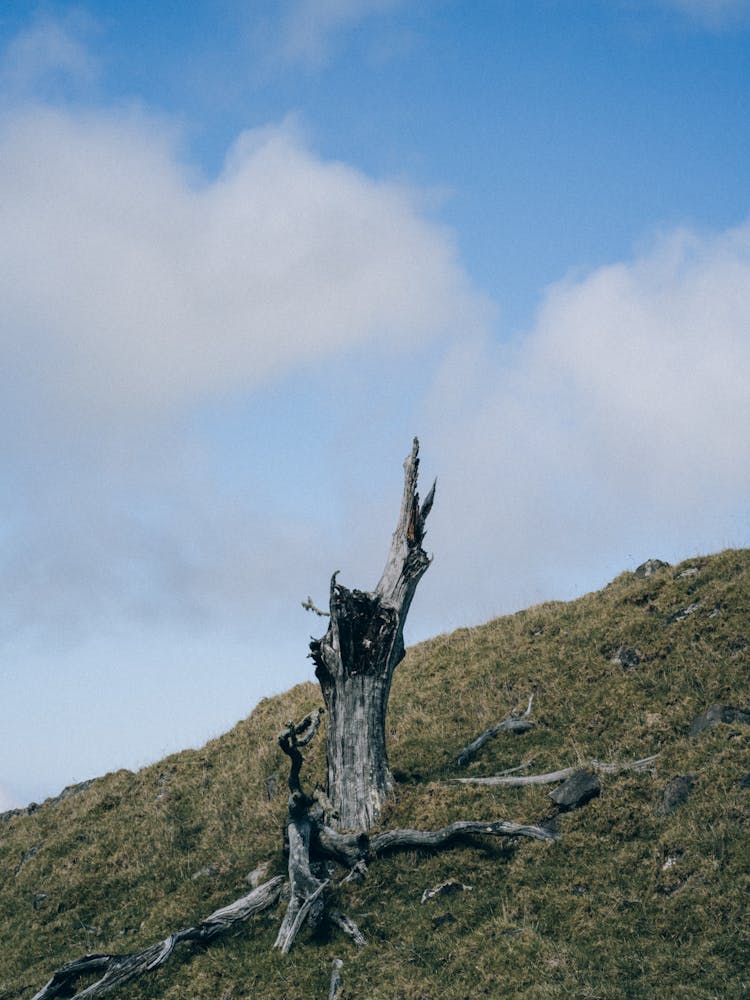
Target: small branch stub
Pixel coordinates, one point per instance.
(309, 606)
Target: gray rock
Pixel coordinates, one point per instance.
(33, 807)
(649, 567)
(745, 781)
(683, 613)
(579, 789)
(718, 713)
(626, 657)
(676, 793)
(71, 790)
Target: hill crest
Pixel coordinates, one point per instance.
(631, 902)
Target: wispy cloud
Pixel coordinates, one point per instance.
(713, 14)
(615, 430)
(49, 53)
(310, 28)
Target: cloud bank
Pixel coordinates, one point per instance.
(129, 284)
(132, 292)
(614, 430)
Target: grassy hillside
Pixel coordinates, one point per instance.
(629, 903)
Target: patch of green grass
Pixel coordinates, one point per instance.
(629, 904)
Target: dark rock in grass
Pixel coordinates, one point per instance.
(445, 918)
(72, 790)
(579, 789)
(745, 781)
(626, 658)
(718, 713)
(676, 793)
(649, 567)
(683, 613)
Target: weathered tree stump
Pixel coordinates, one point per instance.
(355, 660)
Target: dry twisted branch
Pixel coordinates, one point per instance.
(120, 969)
(512, 724)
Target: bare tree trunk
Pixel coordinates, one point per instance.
(355, 660)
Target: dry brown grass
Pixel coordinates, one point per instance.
(600, 914)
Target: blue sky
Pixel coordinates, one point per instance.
(249, 250)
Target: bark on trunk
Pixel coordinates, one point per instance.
(355, 660)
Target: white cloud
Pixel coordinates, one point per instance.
(48, 51)
(712, 13)
(310, 26)
(132, 291)
(616, 430)
(124, 279)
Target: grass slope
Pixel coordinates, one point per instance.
(630, 903)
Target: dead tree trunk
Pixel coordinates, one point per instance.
(355, 660)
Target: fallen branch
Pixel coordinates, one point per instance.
(120, 969)
(406, 839)
(511, 724)
(296, 916)
(518, 781)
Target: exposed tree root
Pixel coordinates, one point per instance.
(120, 969)
(313, 843)
(312, 846)
(511, 724)
(518, 781)
(408, 839)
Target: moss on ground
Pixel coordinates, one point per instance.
(629, 904)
